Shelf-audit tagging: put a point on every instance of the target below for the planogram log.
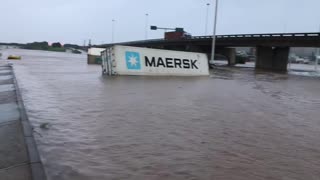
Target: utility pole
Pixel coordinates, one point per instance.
(214, 30)
(207, 16)
(317, 55)
(146, 27)
(316, 61)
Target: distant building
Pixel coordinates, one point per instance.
(303, 52)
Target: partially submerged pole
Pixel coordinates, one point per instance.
(214, 31)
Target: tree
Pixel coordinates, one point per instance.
(72, 46)
(56, 45)
(37, 45)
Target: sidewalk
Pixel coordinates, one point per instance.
(19, 158)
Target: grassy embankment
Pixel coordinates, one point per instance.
(56, 49)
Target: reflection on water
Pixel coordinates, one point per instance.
(305, 73)
(237, 124)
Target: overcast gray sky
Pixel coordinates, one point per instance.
(73, 21)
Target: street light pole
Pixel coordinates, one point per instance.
(112, 33)
(147, 24)
(317, 60)
(214, 30)
(207, 16)
(317, 55)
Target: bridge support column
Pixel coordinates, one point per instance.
(264, 57)
(280, 58)
(272, 58)
(230, 53)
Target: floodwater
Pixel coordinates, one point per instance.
(237, 124)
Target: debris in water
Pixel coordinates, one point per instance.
(44, 126)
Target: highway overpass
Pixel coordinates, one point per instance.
(272, 49)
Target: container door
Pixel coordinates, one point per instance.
(106, 62)
(109, 65)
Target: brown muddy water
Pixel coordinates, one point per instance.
(237, 124)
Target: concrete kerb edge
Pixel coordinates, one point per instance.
(37, 169)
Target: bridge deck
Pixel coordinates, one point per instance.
(311, 39)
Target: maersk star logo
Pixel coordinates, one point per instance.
(133, 60)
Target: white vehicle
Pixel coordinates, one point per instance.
(306, 61)
(127, 60)
(317, 59)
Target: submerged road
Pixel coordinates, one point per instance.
(237, 124)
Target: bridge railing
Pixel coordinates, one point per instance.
(261, 35)
(149, 40)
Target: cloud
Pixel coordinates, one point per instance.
(73, 21)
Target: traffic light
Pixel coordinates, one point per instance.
(154, 27)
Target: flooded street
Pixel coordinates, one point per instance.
(237, 124)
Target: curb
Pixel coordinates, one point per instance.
(37, 169)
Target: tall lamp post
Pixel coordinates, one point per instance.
(317, 55)
(214, 30)
(207, 16)
(317, 60)
(112, 33)
(146, 27)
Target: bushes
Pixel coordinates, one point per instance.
(74, 46)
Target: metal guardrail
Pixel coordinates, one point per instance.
(261, 35)
(142, 41)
